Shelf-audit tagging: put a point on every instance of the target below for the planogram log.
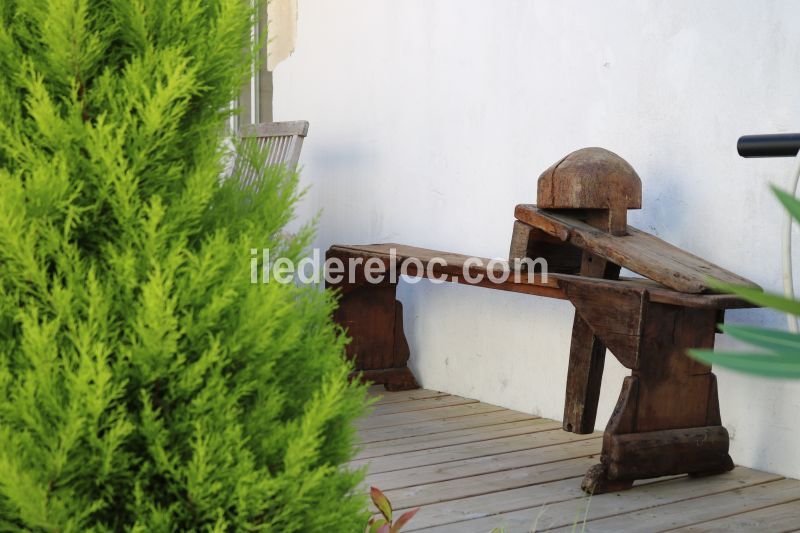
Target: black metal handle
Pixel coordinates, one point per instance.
(775, 145)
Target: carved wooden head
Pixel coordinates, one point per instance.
(592, 178)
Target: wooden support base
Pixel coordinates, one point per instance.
(667, 418)
(669, 452)
(694, 451)
(392, 379)
(373, 318)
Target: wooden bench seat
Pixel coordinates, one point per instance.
(552, 288)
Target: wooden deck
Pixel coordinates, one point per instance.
(473, 467)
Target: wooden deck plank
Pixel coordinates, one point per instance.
(439, 426)
(473, 467)
(458, 436)
(439, 413)
(470, 450)
(387, 397)
(455, 489)
(479, 465)
(419, 405)
(459, 515)
(689, 512)
(563, 513)
(777, 518)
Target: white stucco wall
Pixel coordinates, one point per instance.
(431, 119)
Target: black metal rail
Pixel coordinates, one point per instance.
(774, 145)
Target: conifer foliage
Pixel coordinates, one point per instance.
(145, 383)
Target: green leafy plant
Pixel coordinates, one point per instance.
(777, 352)
(145, 383)
(383, 523)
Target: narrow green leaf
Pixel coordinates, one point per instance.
(381, 502)
(771, 339)
(786, 366)
(759, 297)
(791, 203)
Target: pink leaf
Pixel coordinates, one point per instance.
(375, 523)
(403, 520)
(381, 502)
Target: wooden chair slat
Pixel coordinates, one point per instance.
(282, 141)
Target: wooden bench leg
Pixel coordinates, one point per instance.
(667, 419)
(587, 351)
(373, 318)
(587, 355)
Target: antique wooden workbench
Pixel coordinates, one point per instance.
(667, 419)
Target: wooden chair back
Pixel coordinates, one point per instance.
(282, 140)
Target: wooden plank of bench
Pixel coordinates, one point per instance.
(453, 270)
(637, 251)
(550, 289)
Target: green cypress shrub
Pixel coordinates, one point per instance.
(145, 383)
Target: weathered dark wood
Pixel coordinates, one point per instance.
(596, 179)
(368, 315)
(520, 241)
(373, 318)
(622, 420)
(669, 452)
(453, 269)
(668, 395)
(552, 288)
(667, 418)
(530, 242)
(713, 417)
(587, 356)
(631, 317)
(637, 251)
(666, 372)
(614, 314)
(401, 349)
(584, 375)
(393, 379)
(660, 294)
